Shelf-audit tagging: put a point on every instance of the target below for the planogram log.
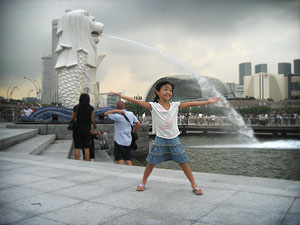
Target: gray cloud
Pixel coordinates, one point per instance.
(201, 33)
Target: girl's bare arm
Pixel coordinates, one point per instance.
(133, 100)
(197, 103)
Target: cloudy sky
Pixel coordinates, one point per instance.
(210, 36)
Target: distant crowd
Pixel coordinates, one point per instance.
(276, 119)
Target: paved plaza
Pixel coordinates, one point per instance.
(48, 190)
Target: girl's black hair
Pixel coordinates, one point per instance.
(158, 87)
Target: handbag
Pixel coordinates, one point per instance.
(73, 125)
(134, 136)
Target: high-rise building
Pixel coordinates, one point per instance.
(264, 86)
(261, 68)
(108, 100)
(54, 58)
(47, 79)
(244, 70)
(297, 67)
(284, 68)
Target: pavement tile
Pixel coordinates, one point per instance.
(295, 209)
(146, 219)
(41, 203)
(85, 177)
(130, 198)
(3, 186)
(226, 215)
(270, 191)
(16, 193)
(269, 203)
(86, 213)
(9, 216)
(19, 178)
(83, 192)
(186, 205)
(39, 221)
(115, 183)
(46, 172)
(50, 185)
(291, 219)
(7, 166)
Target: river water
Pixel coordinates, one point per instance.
(225, 154)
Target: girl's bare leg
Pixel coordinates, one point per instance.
(147, 172)
(188, 172)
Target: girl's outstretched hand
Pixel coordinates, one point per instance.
(213, 100)
(114, 93)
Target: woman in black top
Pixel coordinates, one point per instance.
(85, 116)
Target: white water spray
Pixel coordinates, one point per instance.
(235, 118)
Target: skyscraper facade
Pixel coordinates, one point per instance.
(297, 67)
(47, 79)
(261, 68)
(244, 70)
(284, 68)
(264, 86)
(54, 58)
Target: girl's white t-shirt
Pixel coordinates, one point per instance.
(164, 122)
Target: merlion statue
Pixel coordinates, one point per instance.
(77, 58)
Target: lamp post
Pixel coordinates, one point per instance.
(29, 92)
(7, 92)
(37, 90)
(12, 91)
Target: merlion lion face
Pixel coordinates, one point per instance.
(77, 31)
(96, 28)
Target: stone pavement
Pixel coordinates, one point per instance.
(43, 190)
(46, 190)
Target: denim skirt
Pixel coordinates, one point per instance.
(166, 149)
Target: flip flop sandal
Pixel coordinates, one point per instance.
(198, 191)
(140, 187)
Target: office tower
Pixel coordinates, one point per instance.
(244, 70)
(297, 67)
(54, 74)
(284, 68)
(261, 68)
(264, 86)
(47, 79)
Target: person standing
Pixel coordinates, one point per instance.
(122, 130)
(85, 115)
(166, 145)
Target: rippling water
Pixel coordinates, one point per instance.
(271, 158)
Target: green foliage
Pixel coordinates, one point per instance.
(207, 109)
(255, 110)
(136, 109)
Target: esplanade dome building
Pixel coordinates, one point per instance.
(188, 88)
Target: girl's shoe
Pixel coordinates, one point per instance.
(198, 191)
(140, 187)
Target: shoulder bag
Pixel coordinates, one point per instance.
(73, 125)
(134, 135)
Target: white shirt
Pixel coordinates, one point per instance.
(28, 112)
(122, 128)
(164, 122)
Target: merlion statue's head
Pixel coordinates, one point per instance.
(77, 31)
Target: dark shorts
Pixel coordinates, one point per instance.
(81, 141)
(122, 152)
